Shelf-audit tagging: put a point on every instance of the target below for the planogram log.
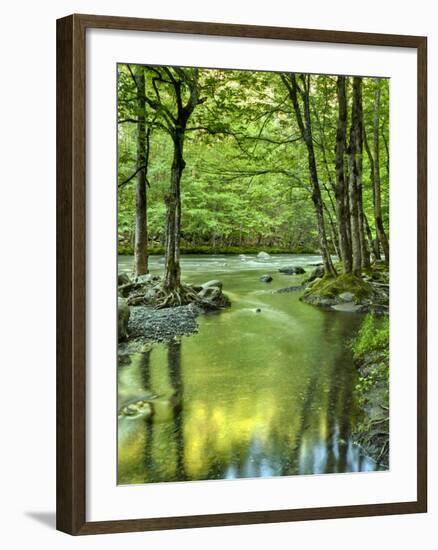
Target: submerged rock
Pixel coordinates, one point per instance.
(289, 289)
(265, 279)
(292, 270)
(138, 409)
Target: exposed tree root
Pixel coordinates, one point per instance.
(180, 296)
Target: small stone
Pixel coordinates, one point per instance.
(258, 310)
(265, 279)
(346, 296)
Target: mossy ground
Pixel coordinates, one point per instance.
(331, 287)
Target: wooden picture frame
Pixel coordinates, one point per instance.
(71, 273)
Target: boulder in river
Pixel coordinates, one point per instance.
(292, 270)
(214, 282)
(123, 314)
(317, 273)
(263, 256)
(265, 279)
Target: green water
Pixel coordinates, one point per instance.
(252, 394)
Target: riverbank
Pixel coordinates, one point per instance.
(371, 357)
(158, 250)
(142, 317)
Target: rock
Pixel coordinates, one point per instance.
(123, 314)
(292, 270)
(214, 282)
(196, 288)
(347, 296)
(123, 279)
(149, 296)
(349, 307)
(209, 292)
(258, 310)
(213, 299)
(147, 279)
(289, 289)
(138, 409)
(320, 301)
(263, 256)
(265, 279)
(317, 273)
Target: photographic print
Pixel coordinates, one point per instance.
(253, 274)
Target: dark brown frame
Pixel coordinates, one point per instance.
(71, 266)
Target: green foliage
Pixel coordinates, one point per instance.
(246, 182)
(373, 337)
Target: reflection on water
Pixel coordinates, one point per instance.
(251, 395)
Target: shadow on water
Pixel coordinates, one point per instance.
(174, 366)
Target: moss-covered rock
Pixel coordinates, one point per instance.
(332, 290)
(350, 293)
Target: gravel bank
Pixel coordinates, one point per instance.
(161, 325)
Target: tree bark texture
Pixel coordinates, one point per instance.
(377, 191)
(141, 234)
(341, 188)
(304, 123)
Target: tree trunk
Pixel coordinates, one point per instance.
(306, 133)
(340, 191)
(357, 99)
(141, 235)
(173, 215)
(375, 243)
(377, 192)
(353, 191)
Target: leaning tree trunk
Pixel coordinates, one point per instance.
(377, 191)
(340, 191)
(141, 235)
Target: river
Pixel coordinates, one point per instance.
(253, 394)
